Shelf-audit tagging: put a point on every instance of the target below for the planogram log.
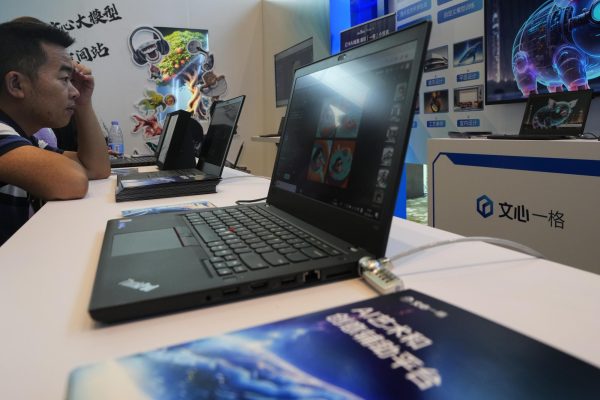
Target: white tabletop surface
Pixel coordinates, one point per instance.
(48, 266)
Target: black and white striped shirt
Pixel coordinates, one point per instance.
(15, 202)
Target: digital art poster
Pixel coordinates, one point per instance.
(182, 74)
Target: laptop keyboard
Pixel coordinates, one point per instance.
(250, 238)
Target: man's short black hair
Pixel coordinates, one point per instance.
(21, 45)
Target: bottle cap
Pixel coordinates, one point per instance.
(115, 122)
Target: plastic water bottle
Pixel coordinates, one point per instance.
(115, 138)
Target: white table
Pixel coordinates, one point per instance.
(47, 269)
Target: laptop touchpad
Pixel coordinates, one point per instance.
(144, 242)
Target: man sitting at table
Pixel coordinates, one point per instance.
(42, 87)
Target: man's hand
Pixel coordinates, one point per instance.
(83, 81)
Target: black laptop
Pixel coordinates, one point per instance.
(548, 116)
(141, 160)
(331, 199)
(201, 179)
(176, 151)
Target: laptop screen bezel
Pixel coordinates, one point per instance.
(161, 140)
(584, 96)
(217, 169)
(367, 233)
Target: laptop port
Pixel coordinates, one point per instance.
(231, 292)
(259, 285)
(340, 274)
(288, 281)
(311, 276)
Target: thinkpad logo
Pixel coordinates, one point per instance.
(141, 286)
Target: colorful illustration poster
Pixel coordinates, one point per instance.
(182, 70)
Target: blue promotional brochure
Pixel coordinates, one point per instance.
(404, 345)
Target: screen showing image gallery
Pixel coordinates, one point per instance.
(343, 134)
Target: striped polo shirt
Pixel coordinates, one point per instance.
(15, 202)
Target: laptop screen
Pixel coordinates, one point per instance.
(347, 127)
(216, 143)
(342, 127)
(561, 113)
(166, 137)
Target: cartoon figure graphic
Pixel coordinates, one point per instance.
(213, 85)
(150, 126)
(190, 66)
(194, 46)
(553, 115)
(147, 46)
(152, 103)
(154, 73)
(169, 100)
(558, 46)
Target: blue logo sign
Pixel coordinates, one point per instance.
(436, 81)
(469, 76)
(485, 206)
(468, 123)
(413, 9)
(459, 10)
(436, 124)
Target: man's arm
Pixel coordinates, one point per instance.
(91, 152)
(45, 174)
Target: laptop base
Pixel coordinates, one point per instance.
(186, 261)
(163, 187)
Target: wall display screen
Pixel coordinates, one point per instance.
(286, 62)
(540, 46)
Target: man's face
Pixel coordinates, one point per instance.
(51, 98)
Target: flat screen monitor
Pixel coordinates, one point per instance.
(286, 62)
(540, 46)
